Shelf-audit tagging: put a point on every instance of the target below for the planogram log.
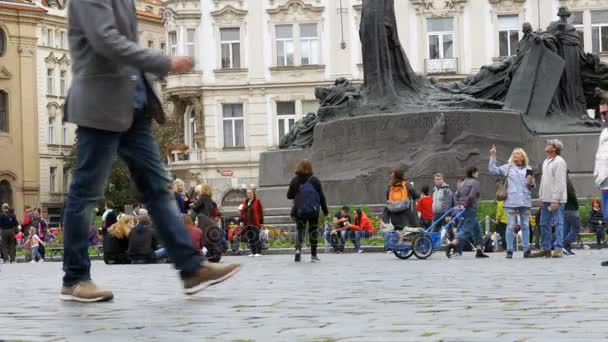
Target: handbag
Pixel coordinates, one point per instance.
(502, 187)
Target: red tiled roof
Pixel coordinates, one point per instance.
(148, 14)
(20, 5)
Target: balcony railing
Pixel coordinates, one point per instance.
(185, 157)
(441, 66)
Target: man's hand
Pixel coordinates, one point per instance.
(493, 151)
(181, 65)
(554, 206)
(530, 180)
(334, 232)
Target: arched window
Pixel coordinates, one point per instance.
(3, 111)
(2, 42)
(6, 193)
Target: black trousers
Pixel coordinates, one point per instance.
(9, 245)
(501, 228)
(252, 236)
(313, 233)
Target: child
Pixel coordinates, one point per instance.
(425, 207)
(34, 243)
(596, 222)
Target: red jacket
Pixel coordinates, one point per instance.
(425, 207)
(253, 215)
(362, 223)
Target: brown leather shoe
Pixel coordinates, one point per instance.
(557, 253)
(207, 275)
(86, 292)
(542, 254)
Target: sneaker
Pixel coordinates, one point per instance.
(604, 263)
(298, 255)
(480, 254)
(557, 253)
(32, 262)
(359, 251)
(527, 254)
(251, 255)
(257, 255)
(509, 255)
(41, 260)
(571, 252)
(207, 275)
(314, 258)
(85, 292)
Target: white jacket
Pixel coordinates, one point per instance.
(601, 161)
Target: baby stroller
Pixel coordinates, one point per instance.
(422, 242)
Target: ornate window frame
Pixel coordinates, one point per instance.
(505, 7)
(296, 13)
(230, 16)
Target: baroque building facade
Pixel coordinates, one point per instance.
(258, 63)
(56, 137)
(19, 170)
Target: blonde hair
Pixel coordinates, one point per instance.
(120, 229)
(206, 190)
(523, 154)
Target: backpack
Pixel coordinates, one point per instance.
(308, 201)
(398, 198)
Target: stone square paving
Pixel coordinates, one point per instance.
(368, 297)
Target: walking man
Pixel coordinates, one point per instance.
(553, 195)
(113, 103)
(8, 226)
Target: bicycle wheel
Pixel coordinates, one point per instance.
(403, 254)
(422, 247)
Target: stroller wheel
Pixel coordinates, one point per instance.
(403, 254)
(423, 247)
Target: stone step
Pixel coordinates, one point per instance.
(283, 219)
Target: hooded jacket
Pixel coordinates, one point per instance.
(443, 199)
(362, 223)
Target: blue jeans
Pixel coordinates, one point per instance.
(96, 151)
(469, 230)
(161, 253)
(36, 254)
(355, 237)
(513, 214)
(337, 242)
(605, 204)
(546, 217)
(572, 227)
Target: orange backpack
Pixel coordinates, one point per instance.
(398, 192)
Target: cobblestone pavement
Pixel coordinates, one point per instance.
(369, 297)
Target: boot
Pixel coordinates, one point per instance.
(509, 255)
(298, 255)
(480, 254)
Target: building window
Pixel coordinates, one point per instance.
(51, 133)
(2, 42)
(62, 82)
(163, 47)
(234, 135)
(190, 42)
(286, 117)
(310, 107)
(49, 38)
(285, 45)
(508, 35)
(52, 179)
(150, 44)
(63, 40)
(231, 48)
(50, 81)
(309, 42)
(58, 41)
(577, 21)
(64, 134)
(3, 112)
(191, 129)
(172, 43)
(66, 180)
(440, 38)
(599, 30)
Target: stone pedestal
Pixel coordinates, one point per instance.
(353, 157)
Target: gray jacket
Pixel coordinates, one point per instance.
(106, 61)
(443, 199)
(553, 185)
